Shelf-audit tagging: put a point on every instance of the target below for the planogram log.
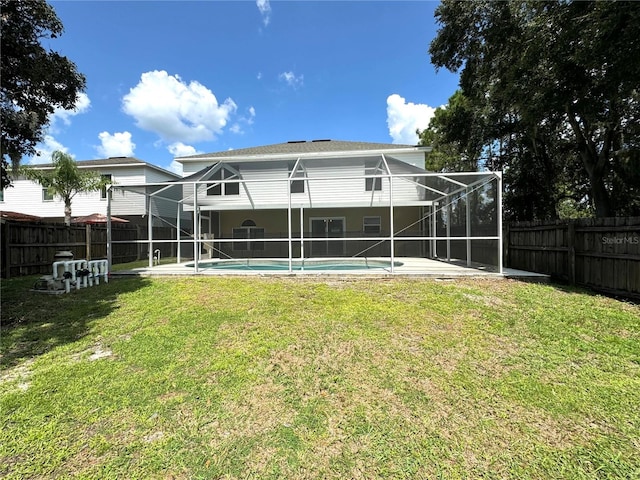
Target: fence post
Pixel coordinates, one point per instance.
(571, 251)
(87, 234)
(6, 254)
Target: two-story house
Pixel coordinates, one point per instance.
(28, 197)
(327, 198)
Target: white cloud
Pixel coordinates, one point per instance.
(179, 149)
(259, 76)
(117, 145)
(265, 10)
(177, 111)
(81, 106)
(404, 118)
(45, 149)
(291, 79)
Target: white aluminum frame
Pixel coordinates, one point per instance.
(441, 202)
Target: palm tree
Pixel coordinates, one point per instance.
(65, 180)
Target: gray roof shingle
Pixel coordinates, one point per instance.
(301, 147)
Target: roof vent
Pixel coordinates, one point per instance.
(297, 141)
(322, 140)
(117, 157)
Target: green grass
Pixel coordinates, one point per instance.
(284, 378)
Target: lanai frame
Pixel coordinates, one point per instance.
(459, 182)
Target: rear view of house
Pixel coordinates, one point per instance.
(327, 198)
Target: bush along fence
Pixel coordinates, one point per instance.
(599, 253)
(29, 248)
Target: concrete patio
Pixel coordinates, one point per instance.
(411, 267)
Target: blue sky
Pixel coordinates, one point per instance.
(167, 79)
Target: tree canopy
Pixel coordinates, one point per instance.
(65, 180)
(34, 81)
(551, 95)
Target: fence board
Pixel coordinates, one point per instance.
(600, 253)
(28, 248)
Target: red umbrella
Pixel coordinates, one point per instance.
(95, 218)
(21, 217)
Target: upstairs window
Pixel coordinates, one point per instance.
(220, 189)
(372, 184)
(297, 186)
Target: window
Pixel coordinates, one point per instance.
(249, 231)
(215, 189)
(372, 184)
(103, 192)
(371, 224)
(1, 195)
(297, 186)
(46, 196)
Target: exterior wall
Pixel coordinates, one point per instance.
(275, 224)
(319, 191)
(26, 196)
(123, 203)
(275, 221)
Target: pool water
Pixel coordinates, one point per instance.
(261, 265)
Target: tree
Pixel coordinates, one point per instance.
(557, 84)
(34, 81)
(65, 180)
(453, 137)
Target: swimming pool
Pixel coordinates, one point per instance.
(266, 265)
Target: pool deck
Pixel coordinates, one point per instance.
(412, 267)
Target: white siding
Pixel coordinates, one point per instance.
(26, 196)
(328, 185)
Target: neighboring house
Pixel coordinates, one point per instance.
(29, 197)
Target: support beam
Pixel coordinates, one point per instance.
(302, 236)
(500, 232)
(109, 232)
(434, 227)
(179, 237)
(448, 230)
(196, 233)
(391, 219)
(149, 233)
(290, 240)
(468, 224)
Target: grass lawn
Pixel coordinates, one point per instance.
(284, 378)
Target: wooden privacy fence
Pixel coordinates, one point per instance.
(600, 253)
(28, 248)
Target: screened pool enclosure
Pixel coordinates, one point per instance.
(299, 210)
